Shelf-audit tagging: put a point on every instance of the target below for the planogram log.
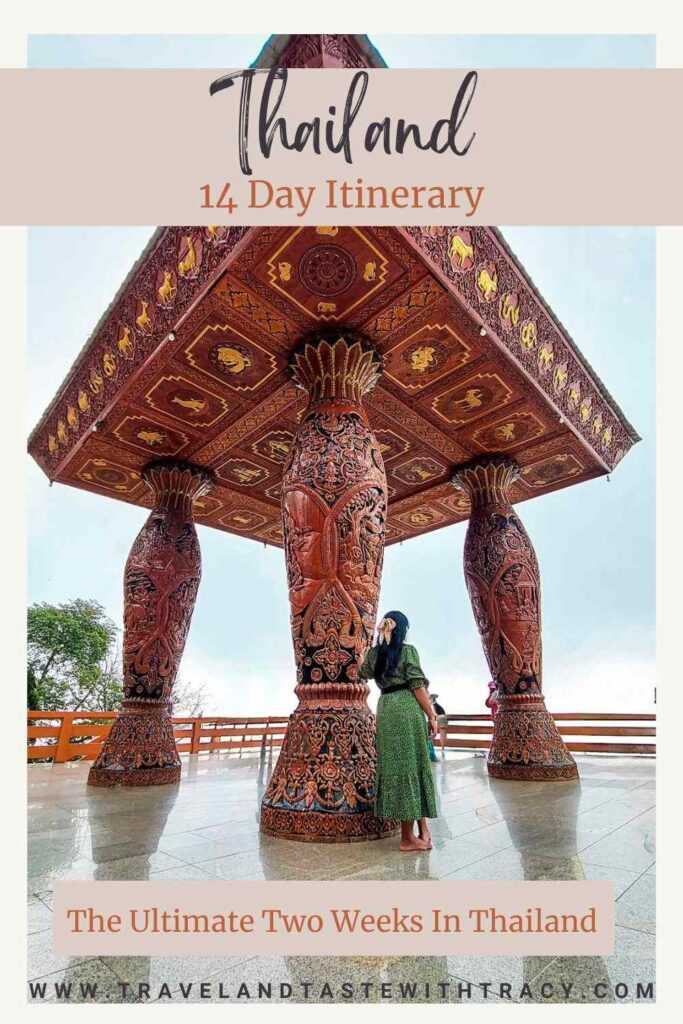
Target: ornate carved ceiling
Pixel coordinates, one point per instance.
(191, 360)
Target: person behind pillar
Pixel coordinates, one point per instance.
(441, 723)
(404, 786)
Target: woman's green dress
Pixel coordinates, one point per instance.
(404, 786)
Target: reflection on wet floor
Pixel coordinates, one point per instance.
(599, 828)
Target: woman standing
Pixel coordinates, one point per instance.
(404, 786)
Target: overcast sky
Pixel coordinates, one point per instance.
(595, 541)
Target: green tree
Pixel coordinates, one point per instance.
(70, 662)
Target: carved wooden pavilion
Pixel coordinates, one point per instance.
(329, 390)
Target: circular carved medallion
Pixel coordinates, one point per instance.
(327, 269)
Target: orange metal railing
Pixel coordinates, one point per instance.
(583, 732)
(61, 736)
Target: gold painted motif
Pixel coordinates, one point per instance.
(246, 474)
(52, 444)
(585, 409)
(327, 307)
(370, 272)
(574, 394)
(189, 261)
(72, 417)
(470, 400)
(509, 309)
(545, 357)
(83, 401)
(124, 342)
(331, 232)
(607, 437)
(109, 364)
(487, 282)
(560, 378)
(597, 425)
(528, 335)
(506, 431)
(422, 358)
(284, 270)
(61, 431)
(143, 319)
(96, 381)
(166, 290)
(232, 359)
(151, 437)
(460, 252)
(192, 404)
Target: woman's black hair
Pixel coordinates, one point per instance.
(388, 654)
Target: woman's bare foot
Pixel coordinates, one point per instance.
(413, 845)
(423, 833)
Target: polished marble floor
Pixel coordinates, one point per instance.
(601, 828)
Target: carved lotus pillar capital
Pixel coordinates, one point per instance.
(335, 366)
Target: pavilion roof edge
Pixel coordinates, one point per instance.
(580, 357)
(153, 241)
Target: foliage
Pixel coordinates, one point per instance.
(74, 662)
(70, 663)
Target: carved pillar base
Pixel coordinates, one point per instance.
(322, 788)
(503, 581)
(526, 743)
(160, 586)
(141, 750)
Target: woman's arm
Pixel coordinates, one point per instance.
(422, 698)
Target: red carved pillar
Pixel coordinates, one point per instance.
(502, 577)
(160, 586)
(334, 500)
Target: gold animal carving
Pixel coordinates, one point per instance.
(509, 310)
(487, 282)
(422, 358)
(585, 409)
(52, 444)
(151, 437)
(421, 473)
(72, 417)
(574, 395)
(189, 261)
(506, 432)
(472, 399)
(193, 404)
(545, 357)
(285, 271)
(327, 231)
(83, 401)
(597, 425)
(96, 382)
(61, 431)
(143, 318)
(232, 359)
(607, 437)
(124, 342)
(166, 289)
(279, 448)
(108, 364)
(370, 271)
(459, 251)
(528, 335)
(560, 377)
(246, 475)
